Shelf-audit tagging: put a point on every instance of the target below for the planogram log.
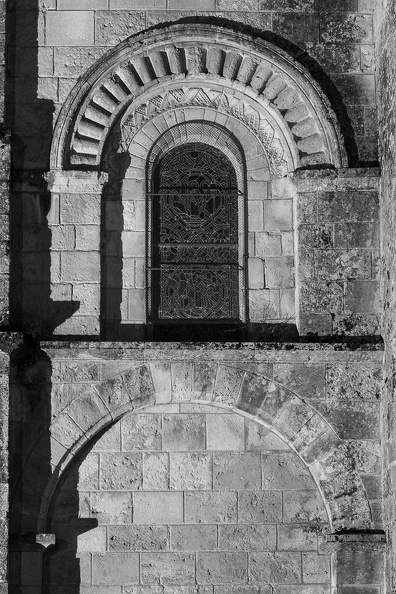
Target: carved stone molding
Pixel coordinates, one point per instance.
(208, 55)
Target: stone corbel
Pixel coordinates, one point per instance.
(30, 541)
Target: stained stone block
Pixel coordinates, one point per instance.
(285, 471)
(190, 471)
(220, 568)
(111, 507)
(194, 538)
(316, 568)
(158, 508)
(260, 507)
(141, 432)
(296, 538)
(246, 537)
(234, 470)
(115, 568)
(156, 471)
(275, 568)
(303, 507)
(225, 432)
(184, 432)
(138, 538)
(211, 507)
(167, 568)
(121, 471)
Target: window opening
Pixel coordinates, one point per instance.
(193, 264)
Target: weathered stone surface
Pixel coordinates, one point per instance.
(190, 471)
(220, 568)
(121, 471)
(138, 538)
(275, 568)
(252, 538)
(210, 507)
(194, 538)
(158, 508)
(112, 27)
(115, 568)
(141, 432)
(167, 568)
(184, 432)
(110, 507)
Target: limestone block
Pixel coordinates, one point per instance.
(111, 507)
(260, 507)
(211, 507)
(264, 305)
(182, 377)
(87, 237)
(156, 471)
(65, 431)
(275, 568)
(184, 432)
(343, 264)
(267, 244)
(351, 235)
(63, 237)
(255, 215)
(296, 538)
(323, 297)
(83, 5)
(353, 206)
(225, 432)
(362, 296)
(316, 236)
(65, 28)
(88, 296)
(354, 419)
(110, 440)
(70, 62)
(228, 385)
(80, 209)
(204, 380)
(258, 190)
(246, 537)
(194, 538)
(112, 27)
(161, 374)
(256, 273)
(115, 568)
(285, 471)
(80, 267)
(278, 215)
(308, 381)
(190, 471)
(354, 382)
(133, 243)
(167, 568)
(93, 541)
(364, 566)
(279, 272)
(221, 567)
(302, 507)
(240, 589)
(316, 568)
(158, 508)
(260, 438)
(137, 305)
(254, 391)
(121, 471)
(138, 538)
(232, 470)
(141, 432)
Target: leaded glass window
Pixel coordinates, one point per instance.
(193, 257)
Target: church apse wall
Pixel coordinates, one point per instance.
(247, 460)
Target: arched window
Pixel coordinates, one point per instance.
(193, 257)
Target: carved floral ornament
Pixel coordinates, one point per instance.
(136, 77)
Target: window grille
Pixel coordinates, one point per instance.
(193, 253)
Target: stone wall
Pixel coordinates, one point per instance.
(386, 34)
(190, 494)
(323, 404)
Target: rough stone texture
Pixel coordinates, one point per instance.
(197, 528)
(386, 35)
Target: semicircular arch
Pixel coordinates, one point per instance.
(211, 56)
(241, 390)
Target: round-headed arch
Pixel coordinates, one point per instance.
(283, 91)
(231, 387)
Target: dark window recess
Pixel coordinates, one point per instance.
(193, 268)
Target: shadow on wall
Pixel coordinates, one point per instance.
(30, 414)
(30, 118)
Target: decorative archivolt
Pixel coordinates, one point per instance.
(223, 102)
(211, 56)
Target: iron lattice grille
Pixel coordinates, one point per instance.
(194, 270)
